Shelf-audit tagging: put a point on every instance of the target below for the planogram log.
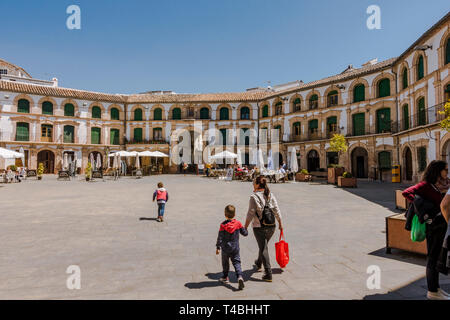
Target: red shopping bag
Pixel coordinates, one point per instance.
(282, 251)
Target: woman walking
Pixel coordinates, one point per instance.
(437, 226)
(262, 201)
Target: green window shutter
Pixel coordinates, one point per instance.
(313, 125)
(23, 106)
(447, 52)
(297, 128)
(422, 116)
(384, 88)
(405, 117)
(95, 135)
(22, 131)
(69, 110)
(224, 114)
(359, 93)
(157, 114)
(332, 120)
(384, 160)
(176, 114)
(47, 108)
(68, 134)
(114, 136)
(422, 158)
(359, 124)
(420, 68)
(96, 112)
(333, 98)
(223, 133)
(405, 78)
(204, 113)
(114, 114)
(137, 135)
(384, 120)
(297, 104)
(265, 111)
(138, 114)
(313, 101)
(245, 113)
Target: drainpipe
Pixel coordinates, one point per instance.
(125, 107)
(397, 114)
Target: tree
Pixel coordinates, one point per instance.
(338, 144)
(445, 124)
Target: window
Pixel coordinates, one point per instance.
(244, 136)
(157, 134)
(405, 78)
(263, 135)
(68, 134)
(245, 113)
(96, 112)
(69, 110)
(46, 133)
(278, 108)
(313, 102)
(359, 124)
(223, 133)
(447, 52)
(297, 105)
(333, 98)
(176, 114)
(447, 92)
(422, 158)
(420, 68)
(384, 120)
(384, 88)
(405, 117)
(265, 111)
(114, 136)
(224, 114)
(47, 108)
(359, 93)
(138, 114)
(95, 135)
(384, 160)
(277, 134)
(23, 106)
(115, 114)
(22, 131)
(137, 135)
(313, 126)
(296, 129)
(332, 125)
(422, 113)
(3, 71)
(204, 113)
(157, 114)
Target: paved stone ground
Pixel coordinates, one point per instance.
(106, 228)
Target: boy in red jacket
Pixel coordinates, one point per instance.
(228, 242)
(162, 196)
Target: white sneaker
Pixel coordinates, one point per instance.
(444, 292)
(437, 296)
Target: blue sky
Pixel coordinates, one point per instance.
(205, 45)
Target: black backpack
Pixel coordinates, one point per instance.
(267, 215)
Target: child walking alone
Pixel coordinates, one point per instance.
(162, 196)
(228, 242)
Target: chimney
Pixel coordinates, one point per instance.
(55, 82)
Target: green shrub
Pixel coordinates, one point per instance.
(40, 170)
(13, 168)
(347, 175)
(304, 171)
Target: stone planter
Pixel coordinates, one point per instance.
(400, 200)
(333, 174)
(347, 182)
(303, 177)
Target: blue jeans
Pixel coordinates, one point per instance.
(161, 209)
(235, 260)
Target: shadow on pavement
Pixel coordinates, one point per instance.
(147, 219)
(246, 274)
(403, 256)
(382, 193)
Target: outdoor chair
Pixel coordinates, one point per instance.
(63, 175)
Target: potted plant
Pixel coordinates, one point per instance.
(40, 171)
(88, 172)
(347, 180)
(337, 144)
(303, 175)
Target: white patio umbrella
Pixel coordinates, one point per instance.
(114, 162)
(146, 153)
(99, 162)
(224, 155)
(239, 158)
(65, 161)
(22, 158)
(10, 154)
(294, 163)
(92, 161)
(260, 163)
(138, 163)
(270, 161)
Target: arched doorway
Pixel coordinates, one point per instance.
(408, 165)
(359, 163)
(313, 161)
(47, 158)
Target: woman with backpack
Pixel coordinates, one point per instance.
(428, 190)
(263, 212)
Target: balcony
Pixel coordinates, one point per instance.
(144, 141)
(428, 116)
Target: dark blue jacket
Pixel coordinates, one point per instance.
(228, 238)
